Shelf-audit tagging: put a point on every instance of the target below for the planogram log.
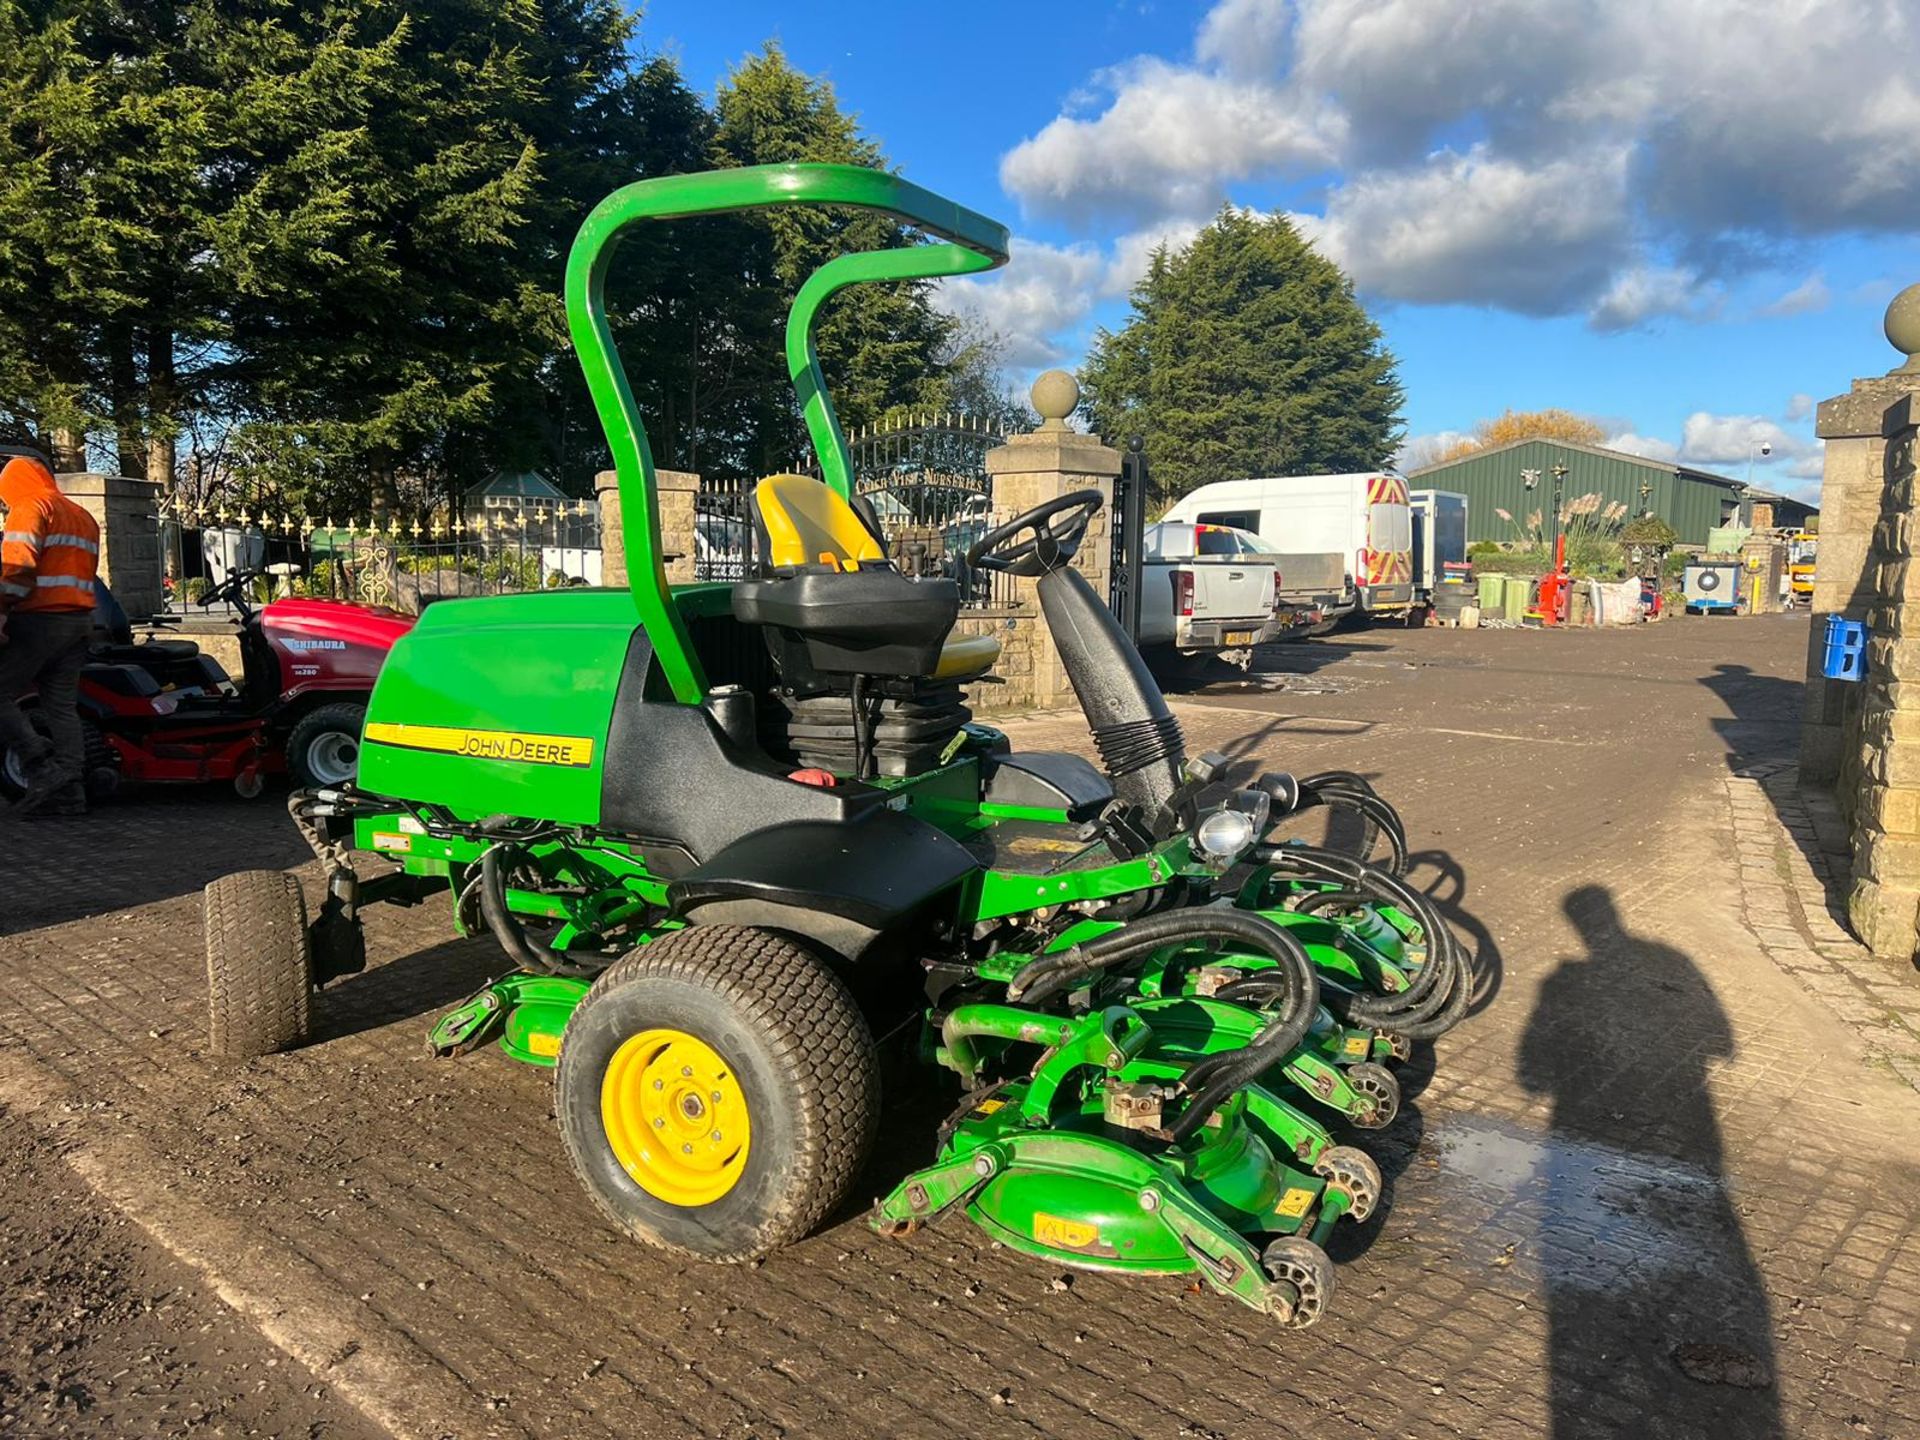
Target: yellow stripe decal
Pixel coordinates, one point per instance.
(486, 744)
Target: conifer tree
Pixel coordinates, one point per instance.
(1245, 354)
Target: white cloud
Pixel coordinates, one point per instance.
(1739, 129)
(1166, 145)
(1646, 293)
(1799, 407)
(1810, 295)
(1650, 446)
(1421, 450)
(1709, 439)
(1046, 292)
(1478, 229)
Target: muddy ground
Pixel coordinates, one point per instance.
(1650, 1187)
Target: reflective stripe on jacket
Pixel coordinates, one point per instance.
(49, 546)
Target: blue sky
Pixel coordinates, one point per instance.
(1684, 219)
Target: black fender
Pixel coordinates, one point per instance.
(843, 884)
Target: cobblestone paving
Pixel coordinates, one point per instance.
(1652, 1187)
(1794, 875)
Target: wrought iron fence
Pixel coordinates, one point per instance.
(723, 538)
(407, 562)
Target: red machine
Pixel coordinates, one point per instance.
(1556, 589)
(160, 712)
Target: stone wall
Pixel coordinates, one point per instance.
(128, 514)
(1864, 737)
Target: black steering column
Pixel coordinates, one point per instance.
(1134, 731)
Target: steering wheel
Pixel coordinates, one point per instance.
(1058, 528)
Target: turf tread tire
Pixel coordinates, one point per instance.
(259, 970)
(343, 716)
(814, 1036)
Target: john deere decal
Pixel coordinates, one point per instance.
(487, 744)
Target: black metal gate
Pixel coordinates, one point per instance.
(927, 483)
(1128, 525)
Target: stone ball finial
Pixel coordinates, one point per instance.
(1903, 328)
(1054, 396)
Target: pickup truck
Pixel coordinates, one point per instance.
(1206, 592)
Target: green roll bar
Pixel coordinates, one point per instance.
(972, 243)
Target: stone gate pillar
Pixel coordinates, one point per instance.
(1864, 737)
(128, 514)
(1031, 469)
(674, 493)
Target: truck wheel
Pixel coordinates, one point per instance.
(259, 970)
(717, 1090)
(324, 748)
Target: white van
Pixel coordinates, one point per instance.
(1364, 518)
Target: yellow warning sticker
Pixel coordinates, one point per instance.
(1295, 1203)
(543, 1043)
(511, 745)
(1356, 1044)
(1066, 1234)
(384, 841)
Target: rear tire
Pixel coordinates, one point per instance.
(99, 767)
(324, 748)
(770, 1038)
(259, 969)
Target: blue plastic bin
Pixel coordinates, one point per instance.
(1846, 649)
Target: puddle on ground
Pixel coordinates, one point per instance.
(1597, 1210)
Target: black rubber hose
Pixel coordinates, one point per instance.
(506, 929)
(1046, 976)
(1443, 959)
(1210, 1082)
(1335, 791)
(1441, 989)
(1380, 819)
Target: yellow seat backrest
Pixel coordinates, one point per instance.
(808, 524)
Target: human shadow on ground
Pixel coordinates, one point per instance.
(1658, 1322)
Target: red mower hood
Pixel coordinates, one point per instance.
(374, 627)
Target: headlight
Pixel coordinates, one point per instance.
(1223, 835)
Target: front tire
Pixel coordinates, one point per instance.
(324, 748)
(718, 1091)
(259, 968)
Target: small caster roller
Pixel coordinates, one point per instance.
(1398, 1046)
(1376, 1084)
(1352, 1173)
(1303, 1267)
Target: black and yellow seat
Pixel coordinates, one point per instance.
(826, 585)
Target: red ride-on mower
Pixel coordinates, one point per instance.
(160, 712)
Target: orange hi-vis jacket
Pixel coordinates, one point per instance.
(49, 546)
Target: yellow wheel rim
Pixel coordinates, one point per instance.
(675, 1117)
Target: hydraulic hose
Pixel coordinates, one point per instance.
(1342, 789)
(1441, 989)
(1049, 975)
(1210, 1082)
(493, 908)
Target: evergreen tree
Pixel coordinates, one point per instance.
(1245, 354)
(884, 348)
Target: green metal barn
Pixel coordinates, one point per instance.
(1692, 501)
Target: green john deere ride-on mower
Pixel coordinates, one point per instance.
(726, 833)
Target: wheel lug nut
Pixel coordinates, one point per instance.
(716, 1097)
(716, 1134)
(659, 1084)
(686, 1070)
(686, 1149)
(658, 1123)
